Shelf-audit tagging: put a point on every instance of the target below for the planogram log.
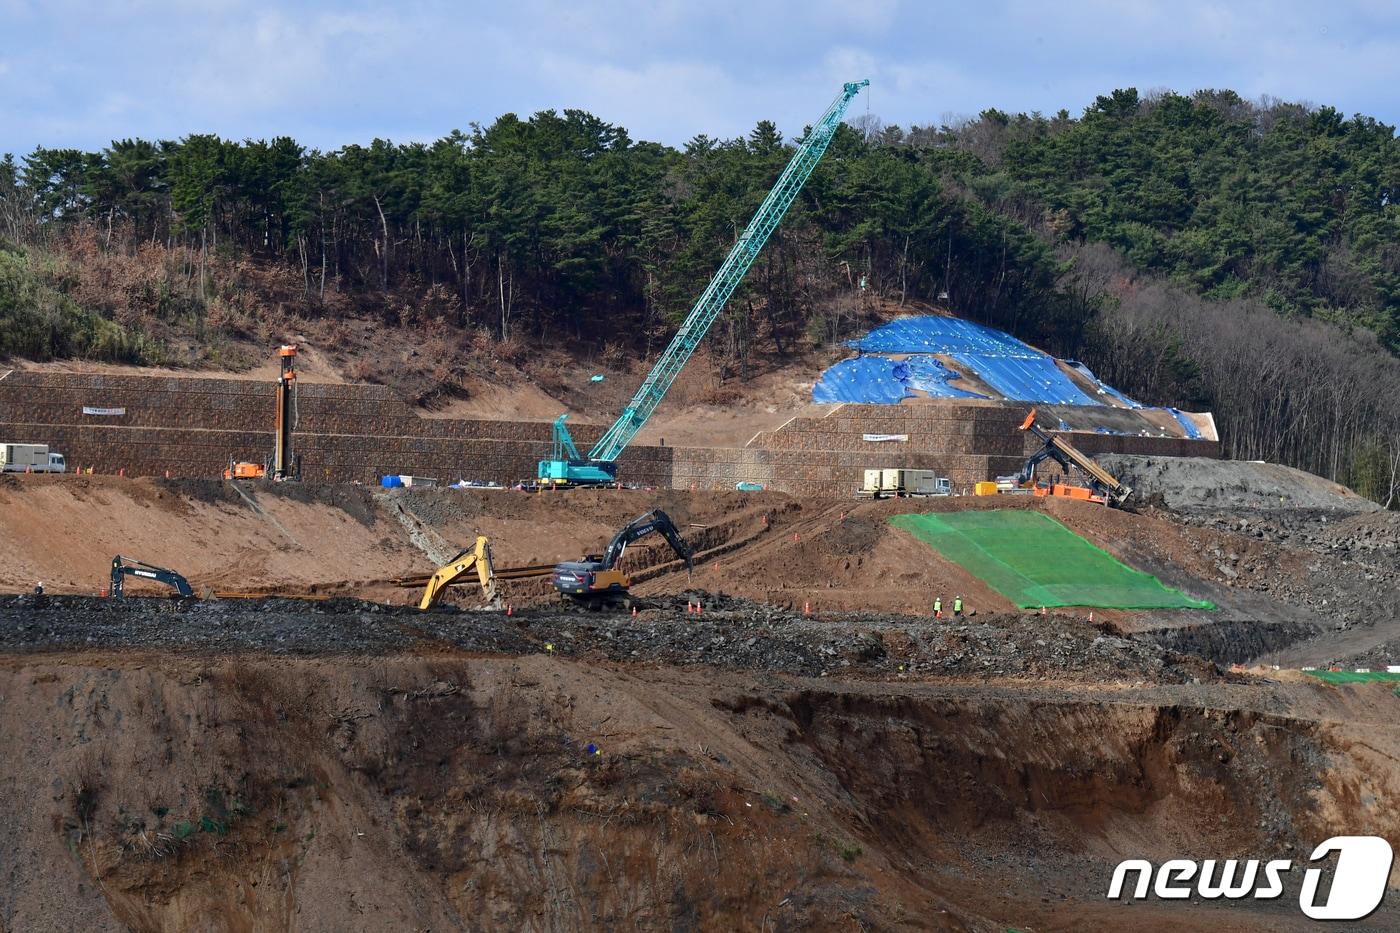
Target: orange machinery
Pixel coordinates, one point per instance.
(1103, 486)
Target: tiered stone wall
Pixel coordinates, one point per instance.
(193, 427)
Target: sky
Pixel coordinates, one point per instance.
(81, 74)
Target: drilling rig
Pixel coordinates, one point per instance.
(284, 464)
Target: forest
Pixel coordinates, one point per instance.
(1201, 251)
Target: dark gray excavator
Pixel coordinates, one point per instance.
(123, 567)
(597, 582)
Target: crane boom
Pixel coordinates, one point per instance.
(601, 463)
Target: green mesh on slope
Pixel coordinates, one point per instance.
(1034, 561)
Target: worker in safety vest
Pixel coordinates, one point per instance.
(938, 607)
(957, 607)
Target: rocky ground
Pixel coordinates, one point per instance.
(728, 632)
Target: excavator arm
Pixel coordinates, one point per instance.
(1066, 454)
(653, 522)
(476, 558)
(123, 567)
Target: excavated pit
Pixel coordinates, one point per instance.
(155, 791)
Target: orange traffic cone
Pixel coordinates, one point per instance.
(806, 608)
(634, 610)
(510, 610)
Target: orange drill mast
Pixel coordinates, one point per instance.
(283, 464)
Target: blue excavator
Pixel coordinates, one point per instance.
(566, 466)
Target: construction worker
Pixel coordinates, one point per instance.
(938, 606)
(957, 607)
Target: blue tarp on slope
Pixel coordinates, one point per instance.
(1186, 423)
(931, 377)
(1016, 370)
(932, 334)
(1025, 378)
(868, 379)
(877, 380)
(1104, 387)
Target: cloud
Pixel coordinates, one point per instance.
(81, 72)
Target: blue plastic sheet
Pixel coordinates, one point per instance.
(877, 380)
(1033, 378)
(927, 375)
(932, 334)
(868, 379)
(1191, 430)
(1016, 370)
(1104, 387)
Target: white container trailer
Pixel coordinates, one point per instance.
(30, 458)
(890, 484)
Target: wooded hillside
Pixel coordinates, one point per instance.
(1198, 251)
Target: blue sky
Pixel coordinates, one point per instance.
(80, 74)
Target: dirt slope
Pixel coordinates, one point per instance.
(448, 792)
(1333, 579)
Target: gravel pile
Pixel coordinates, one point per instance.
(1202, 482)
(730, 633)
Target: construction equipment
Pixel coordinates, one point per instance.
(282, 465)
(477, 558)
(1103, 487)
(597, 582)
(566, 466)
(244, 469)
(898, 484)
(123, 567)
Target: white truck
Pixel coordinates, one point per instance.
(895, 484)
(30, 458)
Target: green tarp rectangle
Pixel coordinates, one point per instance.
(1034, 561)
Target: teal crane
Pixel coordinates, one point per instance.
(566, 466)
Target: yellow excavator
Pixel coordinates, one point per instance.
(476, 558)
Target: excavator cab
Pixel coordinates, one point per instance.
(597, 581)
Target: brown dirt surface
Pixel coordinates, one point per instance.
(278, 763)
(449, 791)
(1330, 582)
